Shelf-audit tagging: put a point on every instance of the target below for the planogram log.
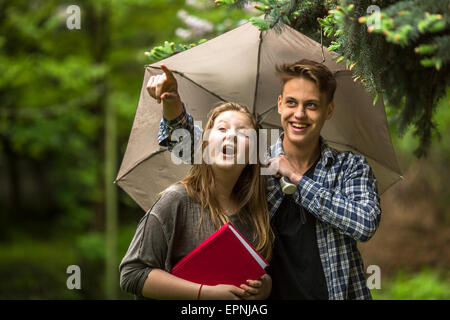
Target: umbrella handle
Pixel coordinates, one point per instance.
(286, 186)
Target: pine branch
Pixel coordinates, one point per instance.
(397, 49)
(168, 49)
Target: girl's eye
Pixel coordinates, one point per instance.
(242, 133)
(222, 129)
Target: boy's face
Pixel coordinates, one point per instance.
(304, 110)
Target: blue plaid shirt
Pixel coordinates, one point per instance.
(342, 196)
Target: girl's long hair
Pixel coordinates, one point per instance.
(249, 191)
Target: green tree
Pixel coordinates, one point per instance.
(67, 103)
(397, 49)
(200, 20)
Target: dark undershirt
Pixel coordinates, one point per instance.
(295, 268)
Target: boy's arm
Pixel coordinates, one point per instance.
(176, 125)
(173, 133)
(354, 210)
(167, 127)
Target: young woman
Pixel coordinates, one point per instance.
(212, 193)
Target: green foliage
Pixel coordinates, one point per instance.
(408, 142)
(400, 51)
(56, 87)
(425, 285)
(406, 23)
(36, 270)
(276, 12)
(57, 84)
(91, 246)
(221, 18)
(262, 24)
(168, 49)
(434, 169)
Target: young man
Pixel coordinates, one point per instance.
(336, 202)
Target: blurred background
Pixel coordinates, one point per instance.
(68, 93)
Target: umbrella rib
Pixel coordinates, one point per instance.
(189, 79)
(344, 144)
(139, 162)
(390, 185)
(263, 115)
(257, 73)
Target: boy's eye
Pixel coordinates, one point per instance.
(311, 105)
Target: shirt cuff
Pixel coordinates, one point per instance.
(167, 126)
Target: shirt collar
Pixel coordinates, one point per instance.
(327, 155)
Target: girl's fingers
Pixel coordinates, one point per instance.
(239, 292)
(254, 283)
(249, 290)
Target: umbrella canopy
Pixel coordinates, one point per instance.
(240, 66)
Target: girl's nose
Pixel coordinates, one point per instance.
(231, 135)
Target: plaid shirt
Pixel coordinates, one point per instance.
(342, 196)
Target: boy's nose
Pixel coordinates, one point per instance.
(300, 112)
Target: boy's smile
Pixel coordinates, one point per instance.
(303, 110)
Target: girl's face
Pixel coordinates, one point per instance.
(228, 140)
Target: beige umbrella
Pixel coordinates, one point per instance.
(240, 66)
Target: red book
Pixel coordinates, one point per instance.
(225, 257)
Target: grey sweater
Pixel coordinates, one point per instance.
(167, 233)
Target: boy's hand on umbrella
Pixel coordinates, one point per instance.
(258, 289)
(164, 88)
(285, 169)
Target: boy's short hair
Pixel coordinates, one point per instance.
(311, 70)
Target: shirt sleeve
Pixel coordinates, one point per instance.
(147, 250)
(354, 210)
(167, 138)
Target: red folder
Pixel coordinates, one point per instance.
(225, 257)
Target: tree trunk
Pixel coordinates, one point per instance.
(98, 24)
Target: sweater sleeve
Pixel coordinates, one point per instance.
(148, 250)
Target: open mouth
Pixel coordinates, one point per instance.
(228, 151)
(299, 127)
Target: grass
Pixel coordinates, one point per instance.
(427, 284)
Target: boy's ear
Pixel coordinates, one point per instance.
(280, 99)
(330, 110)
